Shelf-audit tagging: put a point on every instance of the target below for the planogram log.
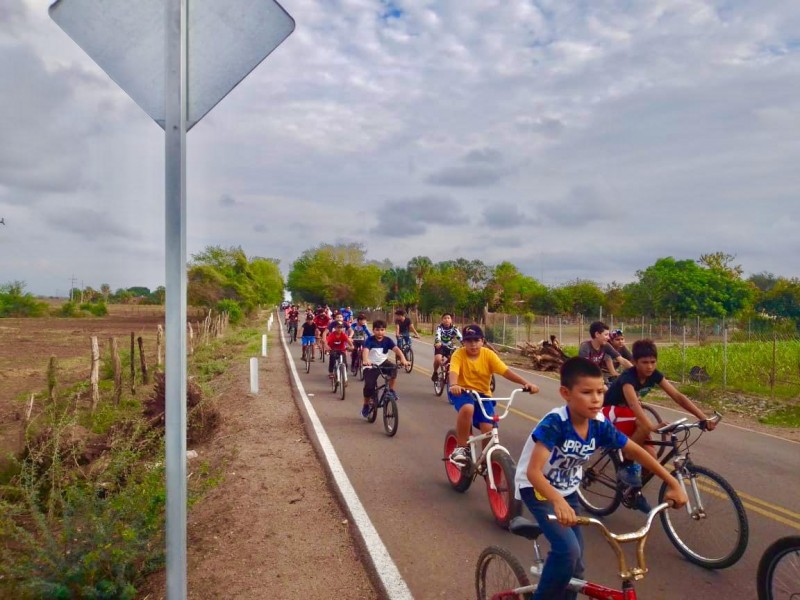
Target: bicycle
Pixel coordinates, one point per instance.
(488, 459)
(339, 380)
(778, 575)
(384, 398)
(440, 383)
(500, 576)
(292, 331)
(408, 352)
(308, 355)
(712, 500)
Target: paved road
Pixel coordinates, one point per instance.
(435, 535)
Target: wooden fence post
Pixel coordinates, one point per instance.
(133, 364)
(52, 379)
(95, 376)
(142, 360)
(159, 339)
(117, 365)
(191, 338)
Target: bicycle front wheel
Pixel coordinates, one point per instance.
(439, 383)
(309, 354)
(501, 500)
(598, 492)
(778, 575)
(498, 573)
(342, 377)
(391, 419)
(373, 409)
(716, 536)
(460, 478)
(410, 358)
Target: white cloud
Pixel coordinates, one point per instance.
(674, 121)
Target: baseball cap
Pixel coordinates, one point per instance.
(615, 334)
(473, 332)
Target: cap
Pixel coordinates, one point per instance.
(615, 334)
(473, 332)
(337, 324)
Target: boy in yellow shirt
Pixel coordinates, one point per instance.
(471, 368)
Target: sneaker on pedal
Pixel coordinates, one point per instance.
(630, 475)
(365, 411)
(460, 457)
(434, 377)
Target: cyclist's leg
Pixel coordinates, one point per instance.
(331, 360)
(565, 559)
(370, 383)
(392, 372)
(465, 407)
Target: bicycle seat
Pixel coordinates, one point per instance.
(525, 528)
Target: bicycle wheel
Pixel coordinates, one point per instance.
(460, 479)
(655, 418)
(498, 573)
(778, 576)
(410, 358)
(360, 372)
(492, 383)
(341, 375)
(373, 409)
(718, 539)
(439, 383)
(501, 500)
(355, 364)
(598, 492)
(391, 418)
(307, 357)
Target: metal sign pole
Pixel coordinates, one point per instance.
(175, 230)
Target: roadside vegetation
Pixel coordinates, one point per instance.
(82, 508)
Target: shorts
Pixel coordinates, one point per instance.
(308, 340)
(622, 418)
(443, 350)
(467, 398)
(371, 376)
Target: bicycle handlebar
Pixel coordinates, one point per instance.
(682, 425)
(480, 400)
(615, 539)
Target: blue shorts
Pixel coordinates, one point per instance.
(467, 398)
(309, 339)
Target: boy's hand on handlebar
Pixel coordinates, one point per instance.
(564, 513)
(531, 388)
(675, 496)
(710, 424)
(456, 390)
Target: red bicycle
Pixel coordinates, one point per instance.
(500, 576)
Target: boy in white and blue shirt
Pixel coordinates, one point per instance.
(550, 469)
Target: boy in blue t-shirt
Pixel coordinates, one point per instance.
(550, 469)
(375, 353)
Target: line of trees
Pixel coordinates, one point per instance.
(710, 287)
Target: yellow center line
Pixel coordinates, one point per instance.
(714, 491)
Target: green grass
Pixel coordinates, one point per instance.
(749, 366)
(787, 416)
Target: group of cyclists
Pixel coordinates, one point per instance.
(602, 409)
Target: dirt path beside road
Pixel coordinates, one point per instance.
(272, 528)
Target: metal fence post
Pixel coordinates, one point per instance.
(724, 355)
(504, 329)
(683, 357)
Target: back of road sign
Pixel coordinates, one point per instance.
(125, 38)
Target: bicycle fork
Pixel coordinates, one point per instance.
(694, 507)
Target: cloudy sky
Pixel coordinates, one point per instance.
(574, 138)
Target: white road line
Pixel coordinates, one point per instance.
(389, 574)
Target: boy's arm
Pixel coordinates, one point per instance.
(624, 362)
(365, 355)
(675, 493)
(414, 329)
(685, 403)
(610, 366)
(633, 402)
(563, 511)
(529, 387)
(399, 354)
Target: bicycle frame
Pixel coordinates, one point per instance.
(615, 540)
(493, 445)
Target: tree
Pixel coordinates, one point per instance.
(16, 302)
(764, 281)
(442, 291)
(782, 300)
(105, 289)
(720, 261)
(420, 266)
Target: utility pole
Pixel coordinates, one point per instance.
(72, 286)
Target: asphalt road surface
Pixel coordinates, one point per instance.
(435, 534)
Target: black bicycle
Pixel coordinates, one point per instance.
(778, 576)
(292, 331)
(408, 352)
(384, 398)
(711, 532)
(355, 360)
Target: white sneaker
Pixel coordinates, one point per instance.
(460, 457)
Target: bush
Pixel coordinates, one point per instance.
(98, 309)
(233, 309)
(15, 303)
(68, 309)
(494, 334)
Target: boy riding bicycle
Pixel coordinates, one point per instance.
(443, 340)
(359, 332)
(623, 408)
(338, 342)
(309, 335)
(598, 351)
(403, 327)
(471, 368)
(375, 353)
(549, 471)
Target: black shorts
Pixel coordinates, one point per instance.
(371, 376)
(443, 350)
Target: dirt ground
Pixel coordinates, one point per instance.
(272, 528)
